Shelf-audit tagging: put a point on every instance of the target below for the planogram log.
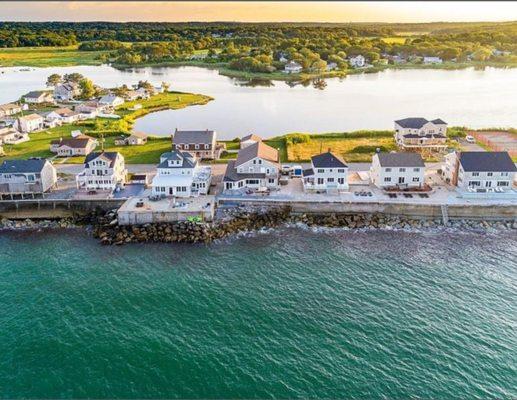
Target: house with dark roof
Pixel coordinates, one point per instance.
(66, 91)
(38, 97)
(418, 133)
(480, 170)
(401, 170)
(328, 172)
(103, 170)
(81, 145)
(202, 144)
(180, 174)
(256, 167)
(34, 176)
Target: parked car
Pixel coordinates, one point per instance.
(470, 139)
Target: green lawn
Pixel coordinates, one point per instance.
(149, 153)
(47, 57)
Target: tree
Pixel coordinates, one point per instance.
(145, 85)
(73, 77)
(87, 88)
(54, 80)
(166, 86)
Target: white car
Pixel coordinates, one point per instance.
(470, 139)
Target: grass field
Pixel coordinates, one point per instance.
(394, 40)
(109, 129)
(47, 57)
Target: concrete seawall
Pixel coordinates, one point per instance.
(51, 209)
(473, 211)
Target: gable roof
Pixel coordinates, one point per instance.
(36, 94)
(486, 161)
(9, 106)
(34, 165)
(252, 136)
(258, 149)
(412, 123)
(31, 117)
(188, 160)
(439, 121)
(402, 159)
(328, 160)
(64, 112)
(109, 155)
(109, 98)
(195, 137)
(79, 142)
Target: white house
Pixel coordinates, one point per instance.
(397, 170)
(12, 136)
(110, 100)
(104, 170)
(71, 147)
(34, 175)
(9, 109)
(64, 115)
(66, 91)
(249, 140)
(38, 97)
(180, 174)
(432, 60)
(202, 144)
(357, 62)
(480, 170)
(30, 123)
(421, 133)
(256, 167)
(292, 67)
(90, 109)
(328, 172)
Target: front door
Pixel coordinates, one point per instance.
(170, 191)
(401, 179)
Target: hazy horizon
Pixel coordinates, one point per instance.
(260, 12)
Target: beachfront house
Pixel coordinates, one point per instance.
(32, 176)
(9, 109)
(249, 140)
(180, 174)
(256, 167)
(10, 135)
(104, 170)
(110, 100)
(479, 170)
(71, 147)
(202, 144)
(404, 170)
(30, 123)
(357, 61)
(38, 97)
(328, 173)
(421, 133)
(292, 67)
(63, 115)
(432, 60)
(67, 91)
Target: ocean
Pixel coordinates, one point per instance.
(287, 313)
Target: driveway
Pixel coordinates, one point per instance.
(466, 146)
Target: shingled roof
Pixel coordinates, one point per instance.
(109, 155)
(32, 165)
(193, 137)
(486, 161)
(328, 160)
(258, 149)
(402, 159)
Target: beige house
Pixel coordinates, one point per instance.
(38, 97)
(102, 171)
(135, 139)
(9, 109)
(256, 167)
(70, 147)
(12, 136)
(64, 115)
(30, 123)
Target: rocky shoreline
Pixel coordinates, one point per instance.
(105, 228)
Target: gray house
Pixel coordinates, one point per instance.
(34, 175)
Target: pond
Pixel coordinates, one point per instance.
(468, 97)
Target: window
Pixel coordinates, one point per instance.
(416, 169)
(320, 181)
(252, 181)
(402, 169)
(503, 183)
(489, 173)
(330, 180)
(197, 146)
(30, 178)
(341, 171)
(207, 146)
(416, 179)
(271, 180)
(341, 181)
(260, 161)
(387, 179)
(254, 161)
(388, 170)
(504, 173)
(181, 189)
(475, 174)
(401, 179)
(474, 183)
(321, 171)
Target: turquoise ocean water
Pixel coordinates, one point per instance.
(290, 313)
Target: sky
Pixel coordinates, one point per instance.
(253, 11)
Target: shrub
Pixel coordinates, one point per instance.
(294, 138)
